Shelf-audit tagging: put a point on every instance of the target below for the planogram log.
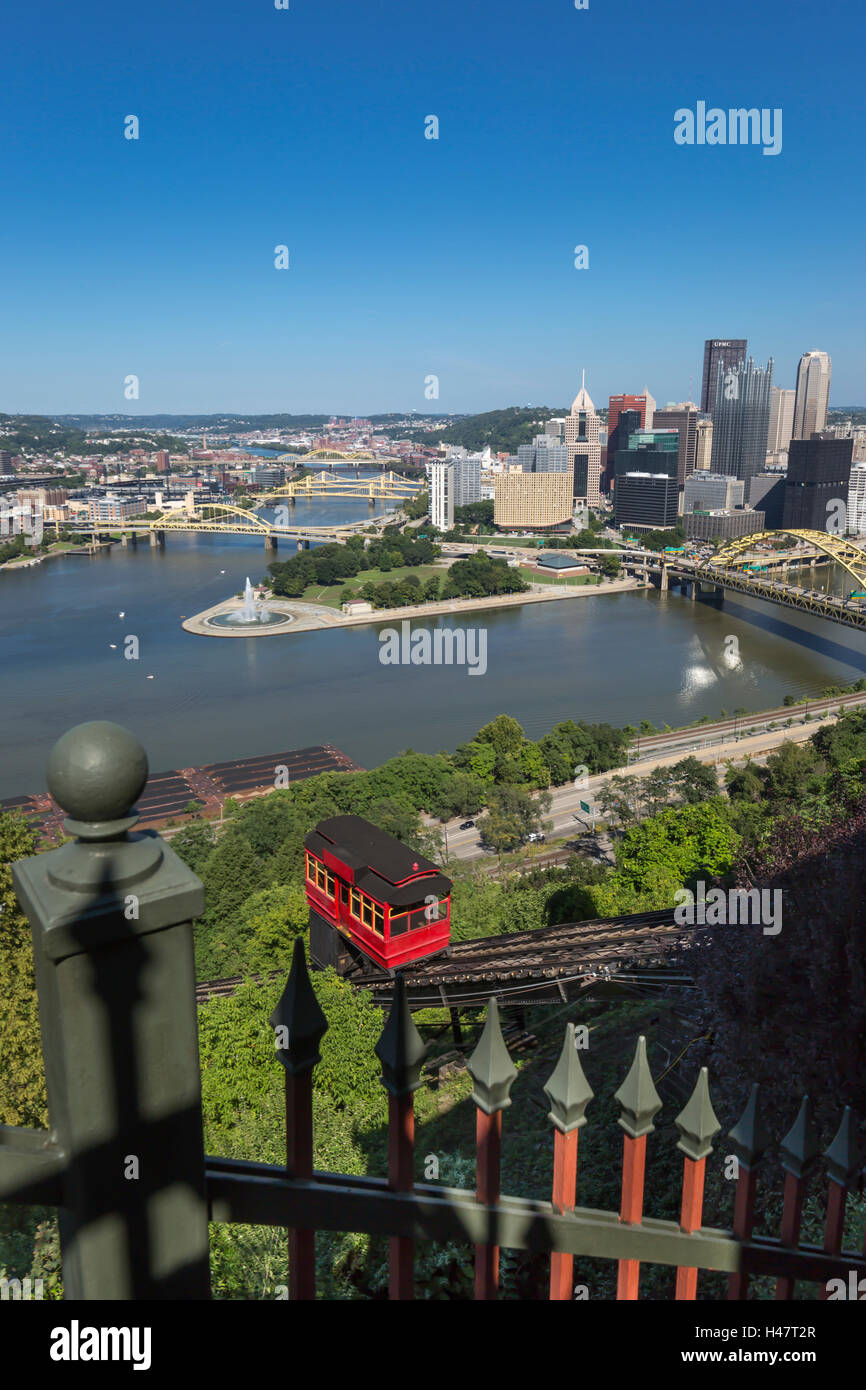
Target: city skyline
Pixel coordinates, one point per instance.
(408, 257)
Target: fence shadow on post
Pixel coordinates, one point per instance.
(111, 916)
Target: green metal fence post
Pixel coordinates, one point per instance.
(113, 951)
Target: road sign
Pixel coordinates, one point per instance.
(585, 806)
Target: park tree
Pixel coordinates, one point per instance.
(477, 758)
(194, 844)
(679, 845)
(693, 782)
(839, 742)
(512, 813)
(259, 937)
(230, 875)
(620, 800)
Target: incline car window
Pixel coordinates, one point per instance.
(419, 915)
(371, 914)
(320, 877)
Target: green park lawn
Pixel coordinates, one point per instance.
(330, 595)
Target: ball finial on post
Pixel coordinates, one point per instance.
(96, 772)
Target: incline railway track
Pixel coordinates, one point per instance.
(546, 965)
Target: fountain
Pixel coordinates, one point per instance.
(251, 614)
(251, 611)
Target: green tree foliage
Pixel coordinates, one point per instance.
(194, 844)
(474, 514)
(504, 430)
(664, 853)
(570, 745)
(842, 741)
(22, 1082)
(512, 814)
(239, 1067)
(231, 874)
(259, 936)
(418, 507)
(683, 843)
(479, 576)
(329, 564)
(659, 540)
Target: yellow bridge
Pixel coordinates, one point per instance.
(385, 487)
(739, 566)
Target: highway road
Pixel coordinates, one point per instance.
(567, 816)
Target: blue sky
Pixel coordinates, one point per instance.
(411, 257)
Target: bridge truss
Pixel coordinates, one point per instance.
(727, 567)
(387, 486)
(836, 548)
(223, 518)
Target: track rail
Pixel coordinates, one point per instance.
(546, 965)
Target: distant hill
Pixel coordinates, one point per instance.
(504, 430)
(192, 422)
(41, 434)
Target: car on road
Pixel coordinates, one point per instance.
(535, 838)
(468, 825)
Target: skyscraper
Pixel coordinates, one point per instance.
(731, 351)
(646, 501)
(643, 403)
(617, 434)
(813, 394)
(703, 441)
(628, 422)
(781, 420)
(649, 452)
(818, 479)
(544, 455)
(584, 449)
(741, 418)
(442, 495)
(684, 418)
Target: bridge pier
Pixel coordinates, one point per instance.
(270, 543)
(157, 540)
(663, 586)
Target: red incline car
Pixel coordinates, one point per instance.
(370, 895)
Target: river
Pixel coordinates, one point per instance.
(615, 657)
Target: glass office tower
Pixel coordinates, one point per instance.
(741, 419)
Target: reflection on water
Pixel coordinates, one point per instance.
(616, 657)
